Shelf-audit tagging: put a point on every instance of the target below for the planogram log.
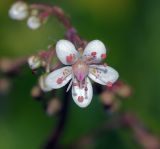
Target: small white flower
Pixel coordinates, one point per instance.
(33, 22)
(81, 67)
(19, 10)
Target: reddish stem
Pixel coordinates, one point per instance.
(71, 33)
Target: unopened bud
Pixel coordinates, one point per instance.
(5, 65)
(53, 107)
(123, 90)
(115, 106)
(4, 85)
(34, 22)
(111, 104)
(107, 98)
(36, 92)
(34, 62)
(42, 83)
(19, 10)
(11, 66)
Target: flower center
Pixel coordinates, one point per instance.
(80, 70)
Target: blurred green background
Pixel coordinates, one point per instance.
(130, 29)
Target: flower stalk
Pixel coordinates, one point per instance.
(71, 33)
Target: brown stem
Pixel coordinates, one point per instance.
(54, 139)
(55, 10)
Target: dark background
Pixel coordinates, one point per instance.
(130, 29)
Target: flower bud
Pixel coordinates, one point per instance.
(111, 104)
(123, 90)
(4, 85)
(116, 106)
(5, 65)
(34, 62)
(42, 83)
(107, 98)
(11, 66)
(19, 10)
(53, 107)
(36, 92)
(34, 22)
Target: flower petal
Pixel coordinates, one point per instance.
(59, 77)
(82, 96)
(102, 74)
(66, 52)
(95, 49)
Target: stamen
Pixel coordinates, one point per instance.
(81, 84)
(69, 86)
(89, 59)
(94, 54)
(74, 84)
(97, 76)
(86, 89)
(98, 68)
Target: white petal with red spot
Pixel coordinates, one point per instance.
(59, 77)
(102, 74)
(82, 94)
(66, 52)
(95, 49)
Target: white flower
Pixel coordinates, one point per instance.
(19, 10)
(80, 68)
(33, 22)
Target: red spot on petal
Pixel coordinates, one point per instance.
(93, 53)
(103, 56)
(80, 98)
(59, 80)
(70, 58)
